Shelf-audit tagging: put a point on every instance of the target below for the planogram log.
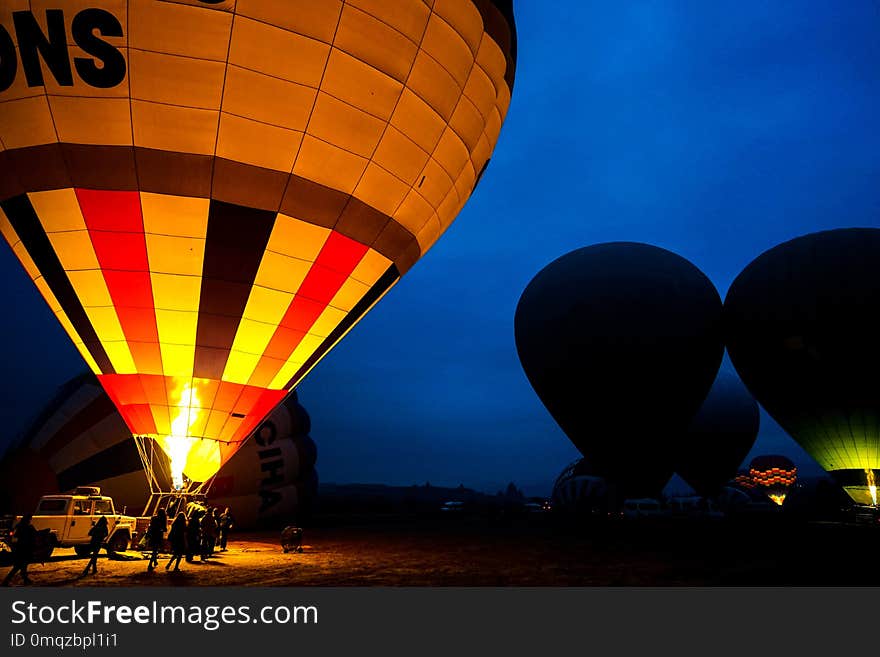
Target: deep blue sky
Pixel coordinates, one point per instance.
(714, 129)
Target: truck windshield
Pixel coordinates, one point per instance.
(103, 508)
(52, 508)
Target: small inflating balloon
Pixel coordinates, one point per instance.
(79, 439)
(773, 475)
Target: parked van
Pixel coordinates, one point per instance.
(642, 508)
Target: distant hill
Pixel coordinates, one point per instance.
(381, 498)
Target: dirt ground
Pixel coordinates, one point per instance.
(475, 553)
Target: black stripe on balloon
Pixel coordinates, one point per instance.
(120, 459)
(24, 220)
(506, 9)
(500, 25)
(381, 286)
(62, 395)
(236, 239)
(94, 412)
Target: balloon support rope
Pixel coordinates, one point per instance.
(156, 470)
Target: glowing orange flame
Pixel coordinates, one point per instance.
(872, 485)
(178, 445)
(778, 499)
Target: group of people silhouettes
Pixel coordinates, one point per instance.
(196, 535)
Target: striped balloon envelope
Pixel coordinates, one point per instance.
(578, 489)
(210, 194)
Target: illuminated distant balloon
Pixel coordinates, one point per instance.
(209, 194)
(773, 475)
(621, 341)
(719, 437)
(801, 323)
(79, 439)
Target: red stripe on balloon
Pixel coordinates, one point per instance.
(335, 263)
(260, 407)
(112, 211)
(116, 229)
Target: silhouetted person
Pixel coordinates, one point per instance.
(25, 536)
(155, 536)
(216, 530)
(227, 522)
(99, 534)
(209, 533)
(177, 538)
(193, 535)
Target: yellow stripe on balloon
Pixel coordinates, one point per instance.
(62, 219)
(262, 314)
(175, 229)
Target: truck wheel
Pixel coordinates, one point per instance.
(81, 550)
(119, 543)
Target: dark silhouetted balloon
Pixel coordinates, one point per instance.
(773, 475)
(719, 437)
(621, 341)
(801, 323)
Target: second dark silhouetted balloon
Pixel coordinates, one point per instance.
(719, 437)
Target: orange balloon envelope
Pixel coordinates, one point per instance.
(210, 194)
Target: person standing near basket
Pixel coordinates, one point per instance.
(227, 522)
(155, 537)
(177, 538)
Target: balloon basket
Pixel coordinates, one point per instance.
(163, 494)
(174, 502)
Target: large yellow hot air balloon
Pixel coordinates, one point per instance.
(210, 193)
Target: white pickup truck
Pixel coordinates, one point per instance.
(70, 517)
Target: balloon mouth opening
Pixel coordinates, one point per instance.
(190, 458)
